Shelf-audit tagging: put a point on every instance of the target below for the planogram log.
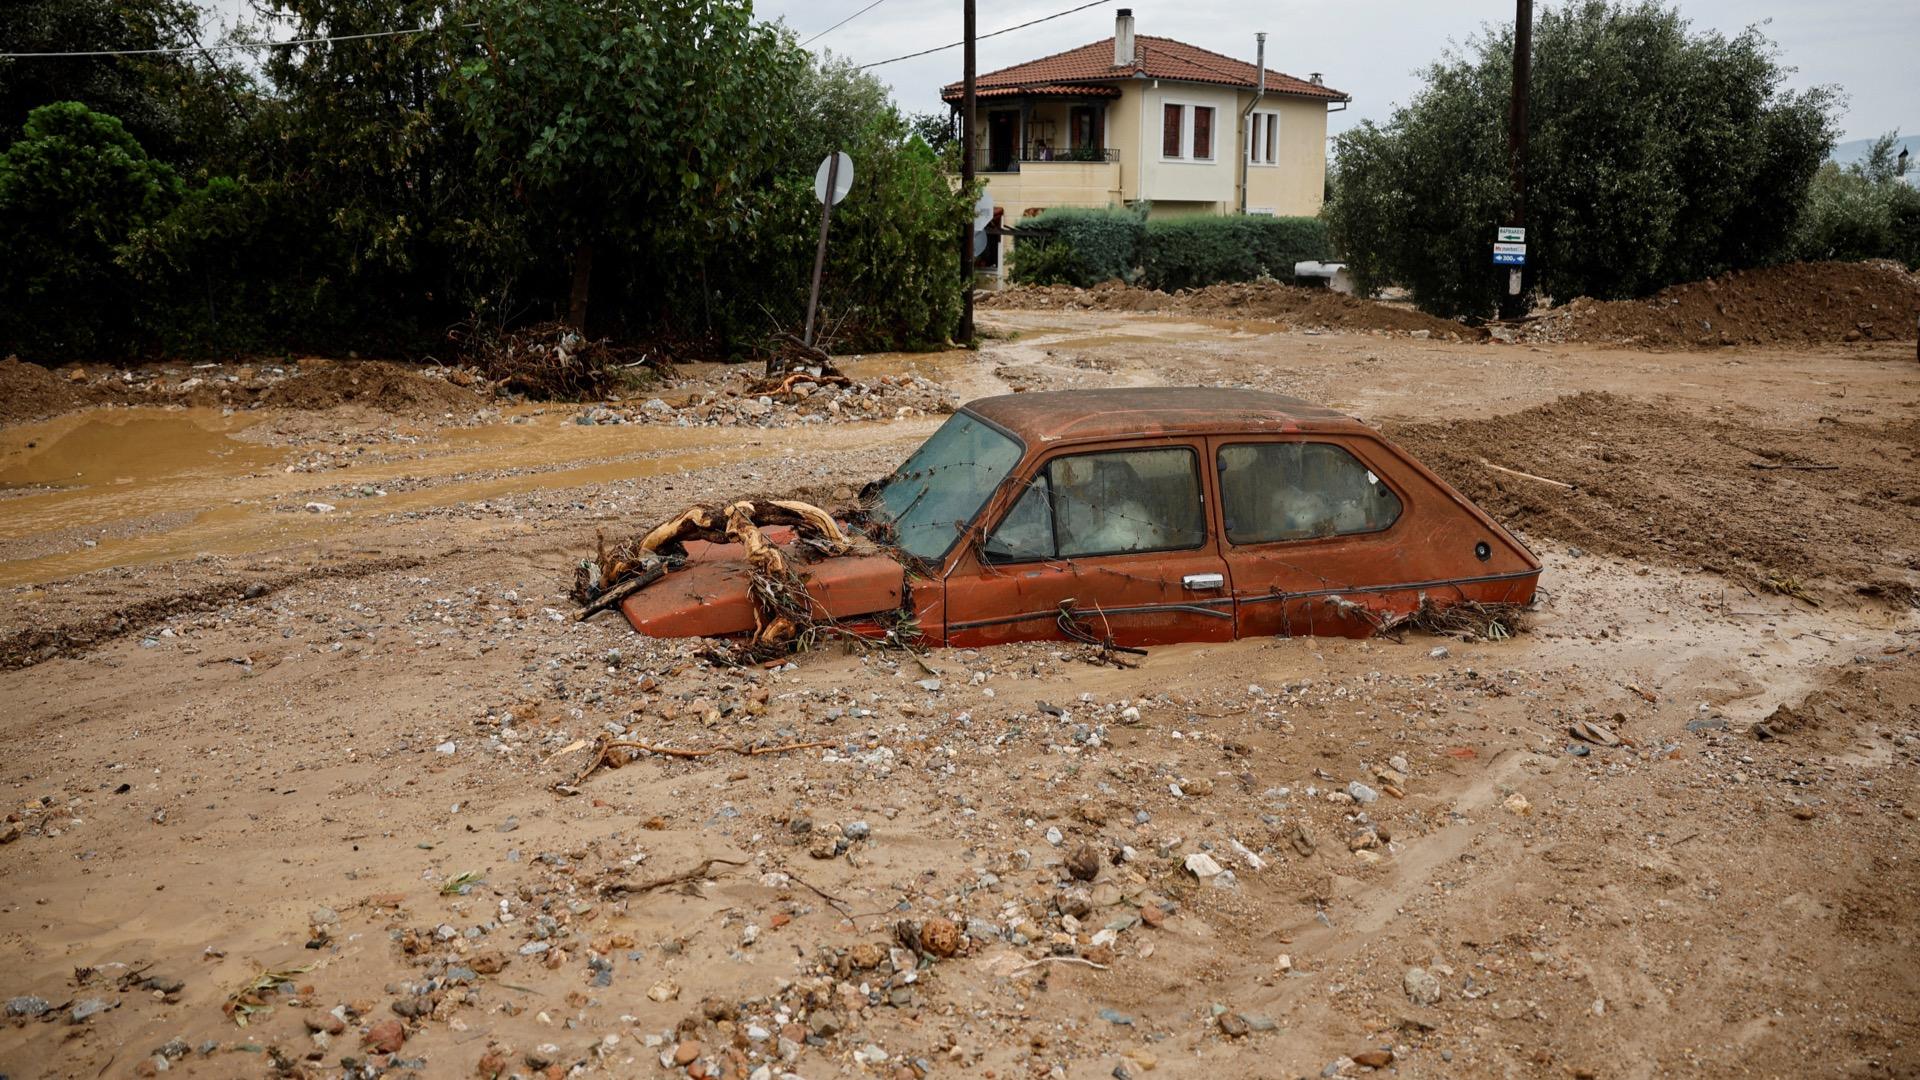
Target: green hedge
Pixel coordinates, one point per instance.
(1079, 247)
(1189, 252)
(1086, 247)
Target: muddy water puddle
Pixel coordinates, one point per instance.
(135, 486)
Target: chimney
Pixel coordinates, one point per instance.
(1123, 38)
(1314, 78)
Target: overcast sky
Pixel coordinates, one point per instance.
(1368, 48)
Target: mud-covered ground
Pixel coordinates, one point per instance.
(286, 694)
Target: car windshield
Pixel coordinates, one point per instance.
(936, 494)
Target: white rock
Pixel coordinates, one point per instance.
(1201, 865)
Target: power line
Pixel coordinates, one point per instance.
(983, 37)
(228, 46)
(841, 23)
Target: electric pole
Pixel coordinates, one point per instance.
(965, 336)
(1512, 298)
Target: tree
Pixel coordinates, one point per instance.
(638, 122)
(72, 188)
(1865, 210)
(182, 107)
(1656, 155)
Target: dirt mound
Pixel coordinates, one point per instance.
(1317, 308)
(373, 383)
(30, 392)
(1783, 510)
(1797, 304)
(555, 362)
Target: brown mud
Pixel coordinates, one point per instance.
(1317, 308)
(249, 737)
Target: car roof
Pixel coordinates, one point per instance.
(1054, 416)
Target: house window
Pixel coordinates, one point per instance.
(1300, 491)
(1263, 138)
(1186, 132)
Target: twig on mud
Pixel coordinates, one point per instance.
(1525, 475)
(698, 873)
(1080, 960)
(603, 755)
(833, 901)
(749, 751)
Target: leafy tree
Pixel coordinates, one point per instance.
(639, 123)
(364, 140)
(1862, 211)
(182, 107)
(72, 188)
(935, 129)
(1656, 154)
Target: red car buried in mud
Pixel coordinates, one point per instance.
(1138, 517)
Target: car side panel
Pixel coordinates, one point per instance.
(1350, 585)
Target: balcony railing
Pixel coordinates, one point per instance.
(1009, 159)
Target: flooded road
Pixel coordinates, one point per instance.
(124, 487)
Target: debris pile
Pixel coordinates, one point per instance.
(735, 399)
(1314, 308)
(1796, 304)
(556, 362)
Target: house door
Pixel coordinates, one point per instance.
(1002, 134)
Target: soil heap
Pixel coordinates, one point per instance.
(373, 383)
(31, 392)
(1794, 304)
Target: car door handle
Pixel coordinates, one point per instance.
(1204, 581)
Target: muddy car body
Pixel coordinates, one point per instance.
(1148, 516)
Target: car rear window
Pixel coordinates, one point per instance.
(1300, 491)
(1108, 503)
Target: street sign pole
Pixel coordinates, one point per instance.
(1511, 304)
(820, 253)
(965, 336)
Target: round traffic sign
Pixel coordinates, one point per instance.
(842, 178)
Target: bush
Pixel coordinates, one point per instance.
(1191, 252)
(1656, 155)
(72, 188)
(1080, 247)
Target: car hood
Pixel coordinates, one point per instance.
(708, 597)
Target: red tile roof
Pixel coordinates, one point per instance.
(1154, 58)
(1078, 90)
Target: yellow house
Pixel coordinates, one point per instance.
(1136, 119)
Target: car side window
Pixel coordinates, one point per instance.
(1108, 503)
(1300, 491)
(1027, 530)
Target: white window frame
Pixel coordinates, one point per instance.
(1186, 132)
(1260, 138)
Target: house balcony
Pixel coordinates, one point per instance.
(1025, 181)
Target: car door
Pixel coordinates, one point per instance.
(1119, 535)
(1310, 531)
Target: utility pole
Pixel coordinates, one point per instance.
(965, 337)
(1512, 301)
